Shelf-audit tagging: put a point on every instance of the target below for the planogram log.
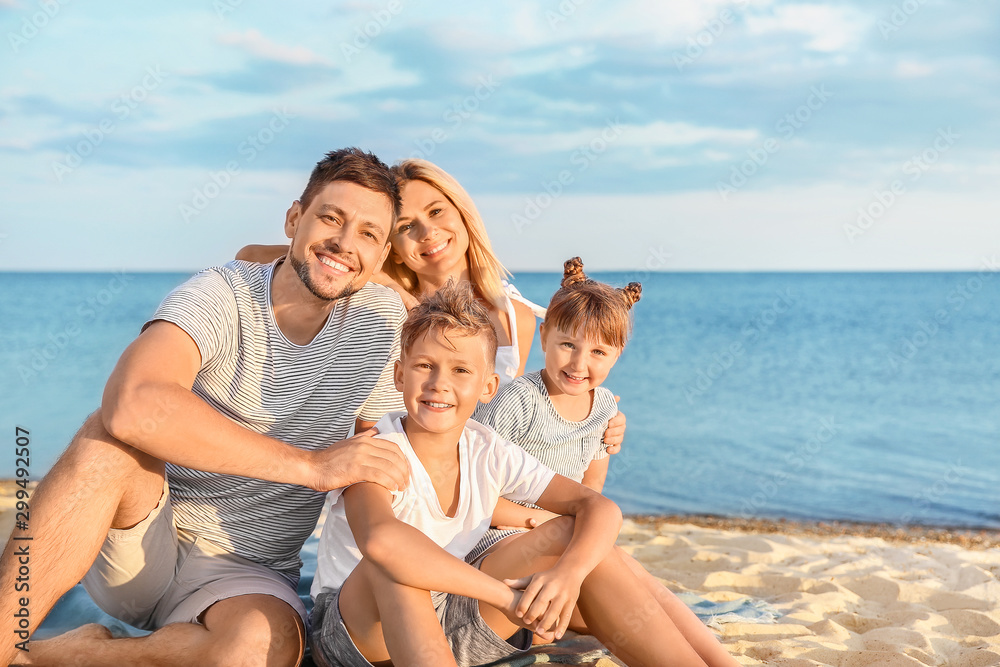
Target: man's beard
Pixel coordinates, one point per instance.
(302, 270)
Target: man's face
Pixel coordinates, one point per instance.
(340, 240)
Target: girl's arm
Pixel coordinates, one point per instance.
(262, 254)
(411, 558)
(596, 474)
(550, 596)
(509, 515)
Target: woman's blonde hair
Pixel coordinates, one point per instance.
(604, 312)
(485, 270)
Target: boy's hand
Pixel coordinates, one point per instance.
(614, 434)
(537, 518)
(360, 458)
(547, 603)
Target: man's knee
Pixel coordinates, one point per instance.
(96, 452)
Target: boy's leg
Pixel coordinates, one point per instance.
(616, 607)
(382, 618)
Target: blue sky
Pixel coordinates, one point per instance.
(639, 134)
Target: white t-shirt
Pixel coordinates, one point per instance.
(491, 467)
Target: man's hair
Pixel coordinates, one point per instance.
(451, 309)
(485, 270)
(603, 311)
(354, 166)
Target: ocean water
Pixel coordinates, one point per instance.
(872, 397)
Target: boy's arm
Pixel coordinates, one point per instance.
(550, 596)
(596, 474)
(411, 558)
(510, 516)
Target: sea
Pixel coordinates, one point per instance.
(868, 397)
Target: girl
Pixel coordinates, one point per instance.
(558, 415)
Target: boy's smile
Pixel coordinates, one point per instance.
(443, 376)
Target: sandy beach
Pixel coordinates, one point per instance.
(848, 595)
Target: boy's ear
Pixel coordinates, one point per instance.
(490, 388)
(397, 375)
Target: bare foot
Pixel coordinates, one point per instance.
(56, 650)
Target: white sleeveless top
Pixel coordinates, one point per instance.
(509, 356)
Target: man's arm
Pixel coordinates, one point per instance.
(148, 404)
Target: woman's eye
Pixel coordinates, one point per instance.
(435, 212)
(403, 228)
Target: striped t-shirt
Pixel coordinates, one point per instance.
(305, 395)
(522, 412)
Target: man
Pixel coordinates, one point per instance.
(184, 501)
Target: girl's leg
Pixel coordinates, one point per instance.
(616, 607)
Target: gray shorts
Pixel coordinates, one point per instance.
(153, 574)
(472, 641)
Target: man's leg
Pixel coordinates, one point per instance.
(243, 631)
(98, 483)
(614, 604)
(386, 619)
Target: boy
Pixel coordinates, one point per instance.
(381, 552)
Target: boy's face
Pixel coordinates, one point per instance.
(443, 377)
(575, 363)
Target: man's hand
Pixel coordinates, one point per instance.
(614, 435)
(361, 458)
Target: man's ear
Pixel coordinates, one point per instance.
(381, 260)
(397, 375)
(292, 217)
(490, 388)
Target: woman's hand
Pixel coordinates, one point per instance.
(614, 434)
(383, 278)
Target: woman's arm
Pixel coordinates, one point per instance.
(525, 332)
(262, 254)
(596, 474)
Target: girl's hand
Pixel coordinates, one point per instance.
(547, 604)
(536, 518)
(614, 435)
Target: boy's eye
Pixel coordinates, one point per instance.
(568, 345)
(462, 370)
(601, 352)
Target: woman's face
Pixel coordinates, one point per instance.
(430, 236)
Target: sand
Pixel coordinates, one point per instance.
(849, 595)
(845, 600)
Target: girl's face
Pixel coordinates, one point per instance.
(575, 363)
(430, 236)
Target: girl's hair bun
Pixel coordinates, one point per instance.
(573, 272)
(632, 293)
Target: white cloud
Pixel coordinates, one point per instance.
(909, 69)
(829, 27)
(256, 44)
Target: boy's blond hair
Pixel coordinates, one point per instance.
(604, 312)
(451, 309)
(485, 270)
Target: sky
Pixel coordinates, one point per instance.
(641, 134)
